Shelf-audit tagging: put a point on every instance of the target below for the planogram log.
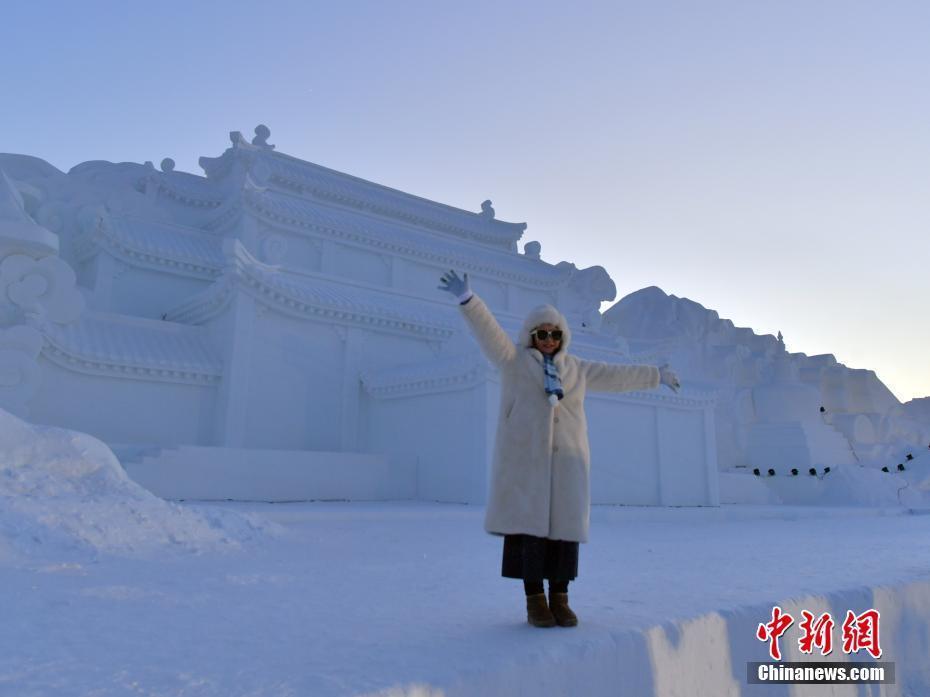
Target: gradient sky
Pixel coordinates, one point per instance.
(769, 160)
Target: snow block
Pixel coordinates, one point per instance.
(707, 655)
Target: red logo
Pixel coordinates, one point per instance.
(817, 633)
(860, 632)
(771, 631)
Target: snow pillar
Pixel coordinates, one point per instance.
(351, 384)
(237, 333)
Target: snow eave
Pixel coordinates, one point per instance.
(162, 352)
(161, 254)
(292, 294)
(434, 377)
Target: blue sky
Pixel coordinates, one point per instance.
(770, 160)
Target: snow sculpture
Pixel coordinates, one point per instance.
(587, 288)
(533, 250)
(272, 329)
(43, 289)
(788, 430)
(18, 231)
(19, 368)
(36, 287)
(768, 411)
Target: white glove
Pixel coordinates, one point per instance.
(459, 287)
(667, 377)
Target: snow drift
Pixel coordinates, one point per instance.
(64, 492)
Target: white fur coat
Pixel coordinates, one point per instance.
(540, 475)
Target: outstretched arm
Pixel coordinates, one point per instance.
(493, 340)
(610, 377)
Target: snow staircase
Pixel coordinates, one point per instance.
(134, 452)
(240, 474)
(797, 444)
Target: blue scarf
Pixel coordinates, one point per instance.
(553, 381)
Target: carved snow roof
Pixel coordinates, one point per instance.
(157, 244)
(282, 209)
(196, 251)
(187, 189)
(319, 297)
(326, 184)
(323, 184)
(129, 347)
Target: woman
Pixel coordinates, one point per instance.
(540, 496)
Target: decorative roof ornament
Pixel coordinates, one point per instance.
(533, 250)
(487, 211)
(586, 290)
(167, 165)
(262, 134)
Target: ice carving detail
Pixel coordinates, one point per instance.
(19, 368)
(44, 288)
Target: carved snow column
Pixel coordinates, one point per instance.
(36, 287)
(237, 333)
(352, 340)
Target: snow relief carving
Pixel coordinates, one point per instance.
(274, 249)
(19, 368)
(35, 286)
(43, 289)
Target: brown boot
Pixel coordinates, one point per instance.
(558, 605)
(537, 612)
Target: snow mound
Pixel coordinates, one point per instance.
(64, 492)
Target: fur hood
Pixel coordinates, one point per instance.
(545, 314)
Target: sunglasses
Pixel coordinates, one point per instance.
(543, 334)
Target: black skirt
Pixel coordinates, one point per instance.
(537, 558)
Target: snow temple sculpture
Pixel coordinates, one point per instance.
(272, 331)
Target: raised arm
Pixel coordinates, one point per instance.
(492, 339)
(611, 377)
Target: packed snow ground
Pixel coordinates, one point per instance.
(109, 591)
(404, 599)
